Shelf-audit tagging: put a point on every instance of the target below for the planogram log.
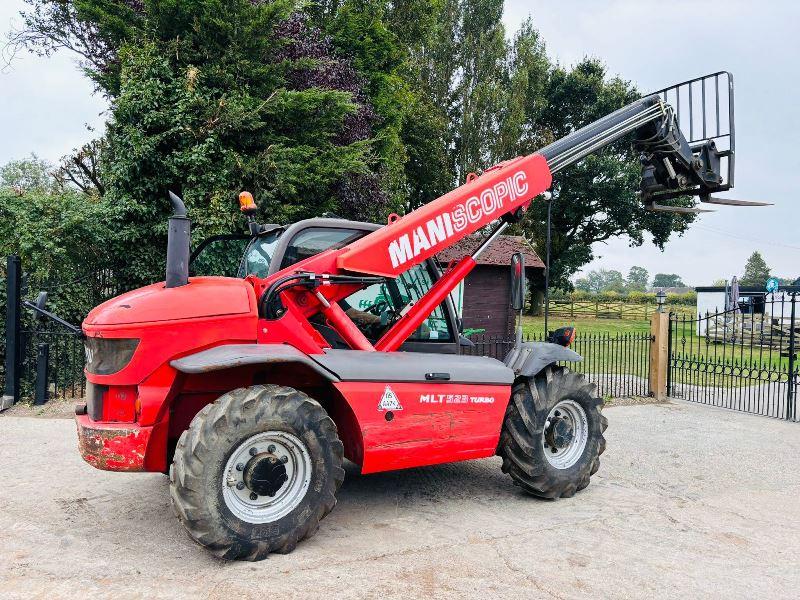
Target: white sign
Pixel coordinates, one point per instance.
(389, 400)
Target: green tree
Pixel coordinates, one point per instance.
(637, 279)
(662, 280)
(26, 175)
(60, 235)
(756, 271)
(380, 39)
(601, 280)
(213, 96)
(462, 69)
(440, 92)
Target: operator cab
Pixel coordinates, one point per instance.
(373, 309)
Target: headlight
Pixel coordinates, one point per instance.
(106, 356)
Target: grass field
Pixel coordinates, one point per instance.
(535, 325)
(617, 346)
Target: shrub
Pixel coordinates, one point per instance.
(637, 297)
(608, 295)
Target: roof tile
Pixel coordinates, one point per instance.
(498, 253)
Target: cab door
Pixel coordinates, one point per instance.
(376, 303)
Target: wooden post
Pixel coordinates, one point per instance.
(659, 330)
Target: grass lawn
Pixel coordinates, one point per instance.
(535, 325)
(605, 348)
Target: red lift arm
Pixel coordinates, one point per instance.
(426, 231)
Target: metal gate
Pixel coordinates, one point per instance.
(743, 359)
(618, 363)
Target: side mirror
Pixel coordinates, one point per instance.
(465, 342)
(517, 281)
(40, 303)
(563, 336)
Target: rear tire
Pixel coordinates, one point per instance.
(558, 460)
(268, 439)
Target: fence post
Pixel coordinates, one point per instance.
(42, 372)
(11, 393)
(790, 388)
(659, 336)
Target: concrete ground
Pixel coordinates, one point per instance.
(691, 501)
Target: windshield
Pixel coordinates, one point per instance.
(258, 256)
(234, 255)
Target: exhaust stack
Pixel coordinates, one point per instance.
(178, 236)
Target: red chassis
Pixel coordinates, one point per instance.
(139, 411)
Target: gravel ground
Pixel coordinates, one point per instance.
(691, 501)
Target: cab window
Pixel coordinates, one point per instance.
(219, 256)
(258, 256)
(375, 308)
(314, 240)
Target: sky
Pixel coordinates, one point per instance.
(47, 106)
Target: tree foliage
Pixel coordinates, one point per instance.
(601, 280)
(664, 280)
(210, 97)
(59, 234)
(506, 98)
(637, 279)
(756, 271)
(26, 175)
(358, 107)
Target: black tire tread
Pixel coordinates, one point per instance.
(187, 489)
(531, 399)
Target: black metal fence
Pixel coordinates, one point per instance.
(41, 359)
(744, 361)
(618, 363)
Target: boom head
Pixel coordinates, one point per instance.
(691, 150)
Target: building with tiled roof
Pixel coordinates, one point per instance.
(484, 299)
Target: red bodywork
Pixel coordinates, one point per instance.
(148, 403)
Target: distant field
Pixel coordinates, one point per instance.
(535, 325)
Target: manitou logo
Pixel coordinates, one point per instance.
(493, 200)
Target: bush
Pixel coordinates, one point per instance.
(687, 299)
(609, 295)
(61, 239)
(641, 298)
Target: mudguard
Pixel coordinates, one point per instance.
(237, 355)
(528, 359)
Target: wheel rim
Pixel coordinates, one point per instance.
(271, 462)
(565, 434)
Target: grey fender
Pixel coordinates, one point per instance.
(530, 358)
(238, 355)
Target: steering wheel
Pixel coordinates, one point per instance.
(378, 308)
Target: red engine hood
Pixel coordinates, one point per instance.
(202, 297)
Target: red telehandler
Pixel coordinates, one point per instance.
(338, 339)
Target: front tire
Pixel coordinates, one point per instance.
(256, 472)
(552, 434)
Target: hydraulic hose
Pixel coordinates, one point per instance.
(575, 146)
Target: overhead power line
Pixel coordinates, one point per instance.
(747, 239)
